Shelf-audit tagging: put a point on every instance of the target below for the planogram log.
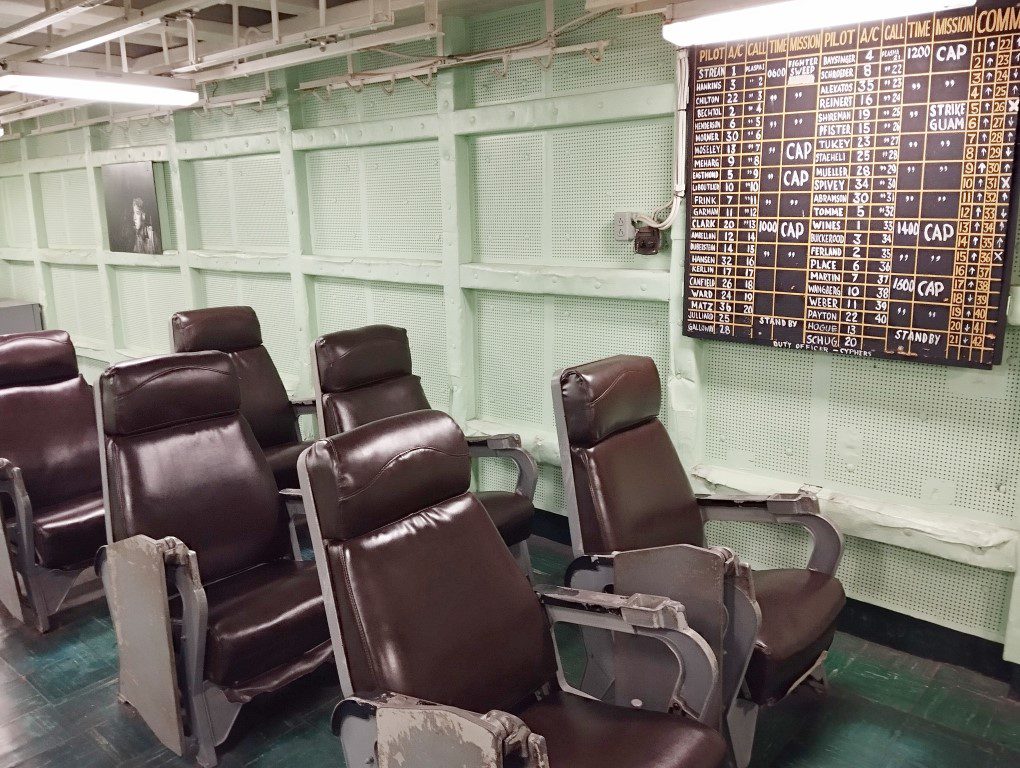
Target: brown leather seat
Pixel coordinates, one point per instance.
(264, 401)
(365, 374)
(48, 430)
(183, 462)
(633, 493)
(391, 499)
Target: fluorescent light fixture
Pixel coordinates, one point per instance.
(96, 85)
(794, 16)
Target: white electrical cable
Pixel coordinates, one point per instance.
(675, 205)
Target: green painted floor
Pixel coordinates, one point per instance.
(885, 709)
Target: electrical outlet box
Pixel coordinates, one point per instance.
(623, 227)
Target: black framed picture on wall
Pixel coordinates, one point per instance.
(132, 209)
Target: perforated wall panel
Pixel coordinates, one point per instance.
(550, 197)
(15, 225)
(67, 209)
(226, 121)
(384, 201)
(56, 144)
(637, 54)
(341, 304)
(239, 204)
(135, 133)
(144, 300)
(10, 151)
(522, 79)
(18, 280)
(75, 290)
(91, 369)
(521, 340)
(933, 437)
(273, 301)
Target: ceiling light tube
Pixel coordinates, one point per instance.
(95, 85)
(794, 16)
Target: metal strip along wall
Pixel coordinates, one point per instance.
(477, 212)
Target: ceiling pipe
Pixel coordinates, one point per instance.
(135, 21)
(47, 19)
(425, 31)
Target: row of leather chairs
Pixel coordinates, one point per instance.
(416, 584)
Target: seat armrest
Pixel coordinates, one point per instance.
(785, 509)
(508, 447)
(12, 484)
(135, 574)
(383, 729)
(697, 689)
(296, 518)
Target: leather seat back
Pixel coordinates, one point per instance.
(365, 375)
(47, 417)
(236, 331)
(632, 492)
(429, 599)
(182, 461)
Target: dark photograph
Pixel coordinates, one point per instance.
(132, 212)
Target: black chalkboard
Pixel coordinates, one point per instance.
(850, 190)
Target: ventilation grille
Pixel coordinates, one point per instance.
(67, 209)
(144, 299)
(521, 340)
(550, 197)
(239, 204)
(342, 304)
(952, 594)
(273, 301)
(77, 305)
(381, 200)
(15, 221)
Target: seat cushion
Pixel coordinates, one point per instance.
(283, 461)
(263, 619)
(69, 533)
(511, 512)
(581, 733)
(799, 609)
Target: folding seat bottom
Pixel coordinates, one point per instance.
(582, 733)
(799, 609)
(69, 533)
(511, 512)
(265, 620)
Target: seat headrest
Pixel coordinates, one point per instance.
(40, 357)
(226, 329)
(360, 356)
(145, 395)
(382, 472)
(605, 397)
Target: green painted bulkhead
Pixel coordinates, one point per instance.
(476, 210)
